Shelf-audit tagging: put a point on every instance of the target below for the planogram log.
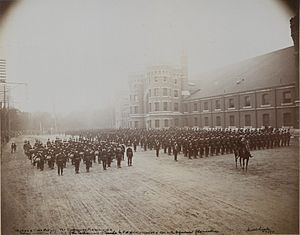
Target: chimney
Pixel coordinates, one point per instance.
(294, 25)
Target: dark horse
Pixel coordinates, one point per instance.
(242, 153)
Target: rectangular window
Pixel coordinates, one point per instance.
(165, 92)
(155, 91)
(165, 106)
(135, 98)
(166, 122)
(247, 120)
(176, 107)
(176, 122)
(247, 101)
(231, 103)
(218, 106)
(150, 107)
(135, 109)
(231, 120)
(218, 121)
(156, 123)
(156, 79)
(195, 106)
(266, 119)
(165, 79)
(206, 121)
(156, 106)
(195, 121)
(206, 105)
(175, 81)
(287, 119)
(136, 124)
(185, 121)
(287, 97)
(185, 107)
(175, 93)
(265, 99)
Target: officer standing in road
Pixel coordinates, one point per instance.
(77, 160)
(129, 154)
(157, 147)
(175, 151)
(60, 163)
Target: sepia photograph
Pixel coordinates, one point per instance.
(174, 117)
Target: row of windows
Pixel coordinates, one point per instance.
(165, 92)
(134, 109)
(165, 79)
(133, 98)
(265, 100)
(166, 123)
(166, 106)
(287, 120)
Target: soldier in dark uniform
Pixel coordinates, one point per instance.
(134, 145)
(175, 151)
(119, 156)
(129, 154)
(60, 163)
(88, 160)
(157, 147)
(109, 156)
(104, 158)
(77, 160)
(169, 147)
(206, 147)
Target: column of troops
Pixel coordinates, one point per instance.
(194, 143)
(104, 146)
(76, 151)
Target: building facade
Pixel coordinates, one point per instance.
(269, 106)
(156, 97)
(258, 92)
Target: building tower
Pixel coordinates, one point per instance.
(136, 101)
(162, 96)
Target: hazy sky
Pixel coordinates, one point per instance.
(77, 54)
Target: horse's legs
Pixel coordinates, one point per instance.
(247, 160)
(243, 163)
(240, 162)
(235, 161)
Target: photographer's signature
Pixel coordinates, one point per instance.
(261, 229)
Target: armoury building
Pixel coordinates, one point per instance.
(262, 91)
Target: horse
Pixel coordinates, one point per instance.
(242, 154)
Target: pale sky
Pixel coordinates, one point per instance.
(77, 54)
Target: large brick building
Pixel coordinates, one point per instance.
(262, 91)
(254, 93)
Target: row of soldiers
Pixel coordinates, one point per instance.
(76, 151)
(190, 142)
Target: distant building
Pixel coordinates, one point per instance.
(156, 96)
(122, 111)
(253, 93)
(262, 91)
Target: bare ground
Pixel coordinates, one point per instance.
(155, 194)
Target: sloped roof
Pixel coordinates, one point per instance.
(272, 69)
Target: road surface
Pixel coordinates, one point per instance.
(155, 194)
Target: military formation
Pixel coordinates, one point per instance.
(193, 143)
(105, 146)
(76, 151)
